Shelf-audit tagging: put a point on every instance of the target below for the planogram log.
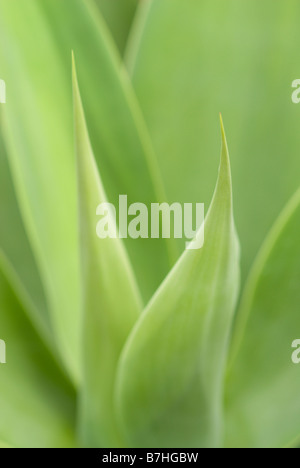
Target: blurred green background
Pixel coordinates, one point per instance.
(154, 76)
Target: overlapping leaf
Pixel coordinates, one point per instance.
(38, 136)
(263, 406)
(17, 254)
(37, 404)
(118, 134)
(110, 296)
(169, 388)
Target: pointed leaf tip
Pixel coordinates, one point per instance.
(225, 161)
(170, 376)
(222, 198)
(111, 299)
(74, 71)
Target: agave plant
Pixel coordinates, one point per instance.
(139, 343)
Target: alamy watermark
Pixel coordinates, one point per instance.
(296, 93)
(2, 92)
(296, 353)
(2, 352)
(160, 221)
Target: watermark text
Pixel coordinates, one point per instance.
(2, 352)
(160, 221)
(2, 92)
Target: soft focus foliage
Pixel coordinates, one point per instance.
(138, 343)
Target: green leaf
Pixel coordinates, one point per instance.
(118, 15)
(263, 406)
(189, 60)
(38, 135)
(110, 297)
(169, 387)
(40, 120)
(16, 256)
(18, 260)
(37, 404)
(119, 137)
